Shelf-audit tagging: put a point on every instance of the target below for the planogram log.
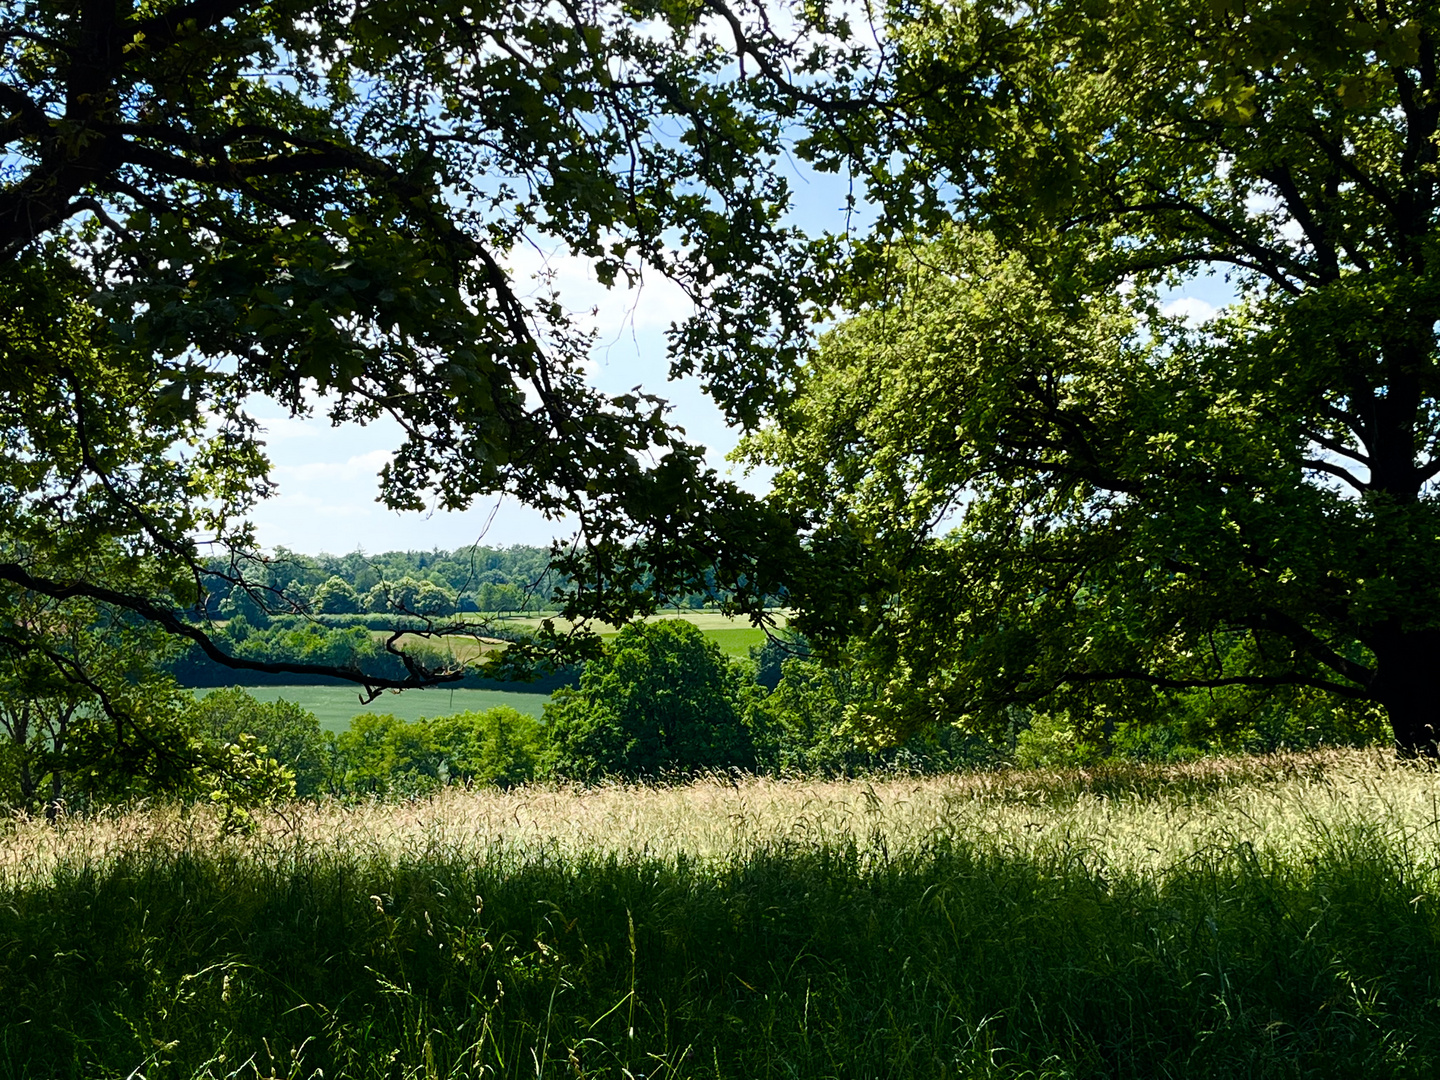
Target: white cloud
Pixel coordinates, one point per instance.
(654, 303)
(1191, 309)
(359, 467)
(330, 505)
(284, 428)
(1270, 207)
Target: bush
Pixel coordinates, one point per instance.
(1173, 727)
(500, 747)
(813, 722)
(289, 734)
(805, 724)
(383, 755)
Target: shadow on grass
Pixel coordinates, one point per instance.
(838, 962)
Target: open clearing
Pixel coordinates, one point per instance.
(335, 706)
(735, 637)
(1247, 917)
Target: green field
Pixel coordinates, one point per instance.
(1258, 918)
(734, 641)
(334, 706)
(734, 636)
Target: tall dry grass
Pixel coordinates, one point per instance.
(1134, 818)
(1252, 917)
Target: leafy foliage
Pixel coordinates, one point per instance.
(336, 597)
(279, 729)
(1139, 504)
(660, 700)
(818, 721)
(383, 755)
(85, 714)
(500, 747)
(209, 200)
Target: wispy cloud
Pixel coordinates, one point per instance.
(1191, 309)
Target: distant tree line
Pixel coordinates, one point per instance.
(661, 703)
(431, 584)
(427, 584)
(330, 611)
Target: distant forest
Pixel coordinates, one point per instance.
(327, 609)
(494, 581)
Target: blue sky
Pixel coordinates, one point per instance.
(327, 476)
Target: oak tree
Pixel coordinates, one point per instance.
(1021, 482)
(314, 202)
(660, 700)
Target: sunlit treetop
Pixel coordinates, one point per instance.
(1139, 504)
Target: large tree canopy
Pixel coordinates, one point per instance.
(314, 202)
(661, 699)
(1139, 505)
(208, 200)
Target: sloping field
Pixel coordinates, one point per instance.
(1253, 917)
(335, 706)
(734, 636)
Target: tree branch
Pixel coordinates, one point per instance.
(744, 46)
(1164, 682)
(1273, 264)
(166, 27)
(33, 120)
(170, 621)
(1286, 626)
(1321, 465)
(1337, 447)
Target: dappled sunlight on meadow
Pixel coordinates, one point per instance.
(1124, 818)
(1269, 916)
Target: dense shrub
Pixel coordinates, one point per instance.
(288, 733)
(814, 721)
(807, 722)
(1181, 726)
(383, 755)
(500, 747)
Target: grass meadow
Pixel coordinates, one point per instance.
(335, 706)
(1262, 917)
(735, 637)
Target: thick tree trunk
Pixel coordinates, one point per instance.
(1407, 684)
